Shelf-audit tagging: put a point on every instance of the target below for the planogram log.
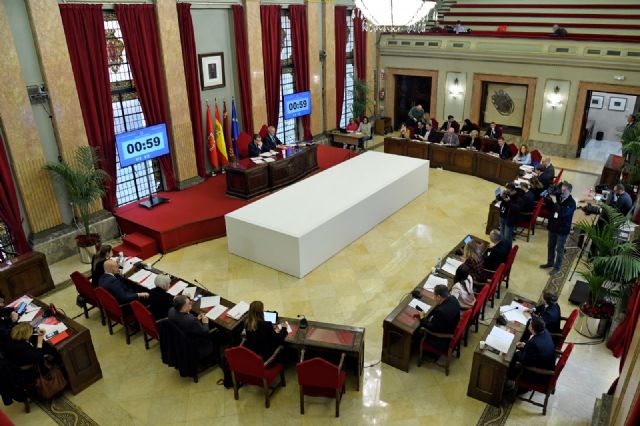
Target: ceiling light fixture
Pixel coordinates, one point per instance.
(397, 15)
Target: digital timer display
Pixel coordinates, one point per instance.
(142, 144)
(297, 105)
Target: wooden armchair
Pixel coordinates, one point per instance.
(559, 338)
(318, 377)
(454, 341)
(115, 313)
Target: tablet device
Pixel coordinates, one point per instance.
(271, 316)
(498, 191)
(468, 239)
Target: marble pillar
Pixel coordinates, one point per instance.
(256, 64)
(314, 9)
(329, 42)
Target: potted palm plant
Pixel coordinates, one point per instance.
(362, 104)
(609, 272)
(84, 182)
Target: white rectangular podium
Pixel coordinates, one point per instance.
(299, 227)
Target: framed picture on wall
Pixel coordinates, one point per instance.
(617, 104)
(596, 102)
(211, 70)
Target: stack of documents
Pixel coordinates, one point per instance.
(17, 302)
(415, 303)
(29, 314)
(177, 288)
(52, 328)
(515, 312)
(269, 160)
(190, 292)
(450, 265)
(144, 278)
(257, 160)
(239, 310)
(527, 169)
(215, 312)
(209, 301)
(499, 339)
(433, 281)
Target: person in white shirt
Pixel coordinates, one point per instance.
(463, 287)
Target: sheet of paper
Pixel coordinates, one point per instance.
(145, 278)
(28, 316)
(516, 315)
(500, 339)
(208, 301)
(177, 288)
(498, 204)
(269, 160)
(51, 328)
(418, 303)
(451, 265)
(190, 292)
(433, 281)
(528, 175)
(257, 161)
(129, 262)
(526, 168)
(266, 154)
(215, 312)
(239, 310)
(17, 302)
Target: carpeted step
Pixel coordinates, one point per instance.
(137, 244)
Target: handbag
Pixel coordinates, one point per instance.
(50, 383)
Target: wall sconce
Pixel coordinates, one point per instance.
(455, 90)
(555, 99)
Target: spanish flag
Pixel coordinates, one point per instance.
(220, 143)
(211, 141)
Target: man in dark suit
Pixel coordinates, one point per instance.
(537, 352)
(497, 252)
(561, 207)
(420, 131)
(493, 131)
(451, 122)
(503, 149)
(271, 141)
(528, 198)
(620, 200)
(195, 328)
(429, 133)
(443, 318)
(549, 312)
(256, 147)
(546, 172)
(116, 286)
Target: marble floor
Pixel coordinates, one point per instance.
(358, 286)
(596, 150)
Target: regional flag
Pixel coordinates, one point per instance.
(235, 132)
(211, 141)
(220, 144)
(225, 127)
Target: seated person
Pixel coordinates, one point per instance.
(537, 352)
(443, 318)
(523, 157)
(404, 132)
(8, 318)
(536, 188)
(450, 123)
(420, 131)
(271, 141)
(195, 328)
(116, 286)
(458, 28)
(21, 353)
(546, 172)
(450, 138)
(365, 128)
(502, 149)
(549, 312)
(429, 134)
(474, 142)
(493, 131)
(468, 126)
(497, 252)
(528, 201)
(159, 300)
(474, 261)
(352, 126)
(558, 31)
(620, 200)
(463, 287)
(256, 147)
(97, 263)
(263, 337)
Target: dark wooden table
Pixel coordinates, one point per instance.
(489, 369)
(612, 170)
(245, 179)
(25, 274)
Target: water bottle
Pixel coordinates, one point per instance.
(439, 263)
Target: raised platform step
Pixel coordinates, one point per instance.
(138, 244)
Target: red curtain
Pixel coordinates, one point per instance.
(340, 25)
(242, 61)
(620, 340)
(84, 30)
(140, 33)
(9, 210)
(300, 47)
(360, 45)
(271, 47)
(189, 57)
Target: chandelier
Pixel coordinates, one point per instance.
(397, 15)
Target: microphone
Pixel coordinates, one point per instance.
(303, 322)
(501, 319)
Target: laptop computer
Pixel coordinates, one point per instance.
(271, 316)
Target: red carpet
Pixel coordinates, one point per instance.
(197, 214)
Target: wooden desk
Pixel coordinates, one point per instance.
(246, 179)
(493, 218)
(25, 274)
(383, 126)
(329, 338)
(612, 170)
(340, 139)
(489, 370)
(76, 353)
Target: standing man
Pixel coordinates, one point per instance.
(561, 206)
(451, 123)
(271, 141)
(510, 208)
(416, 114)
(450, 138)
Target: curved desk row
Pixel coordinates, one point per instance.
(460, 160)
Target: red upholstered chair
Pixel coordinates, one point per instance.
(513, 149)
(546, 389)
(146, 321)
(115, 313)
(247, 367)
(435, 123)
(494, 283)
(478, 308)
(244, 139)
(318, 377)
(528, 225)
(454, 343)
(557, 179)
(507, 268)
(87, 294)
(536, 157)
(263, 131)
(559, 338)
